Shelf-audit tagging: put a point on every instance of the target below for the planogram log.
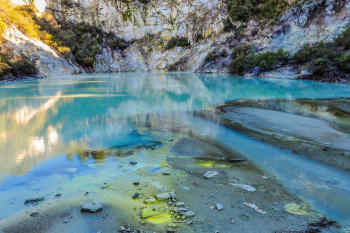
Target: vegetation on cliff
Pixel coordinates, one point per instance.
(80, 42)
(20, 17)
(259, 10)
(329, 61)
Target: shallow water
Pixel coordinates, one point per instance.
(52, 132)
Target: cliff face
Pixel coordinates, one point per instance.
(174, 35)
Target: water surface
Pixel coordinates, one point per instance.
(46, 127)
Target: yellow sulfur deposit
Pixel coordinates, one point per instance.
(296, 209)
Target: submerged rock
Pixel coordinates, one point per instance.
(219, 206)
(246, 187)
(135, 195)
(210, 174)
(189, 214)
(34, 201)
(166, 196)
(254, 207)
(92, 207)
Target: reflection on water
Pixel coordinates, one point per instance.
(99, 117)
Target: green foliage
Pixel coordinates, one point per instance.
(343, 39)
(315, 51)
(244, 59)
(343, 61)
(322, 58)
(239, 62)
(68, 3)
(212, 56)
(16, 66)
(178, 42)
(269, 60)
(260, 10)
(81, 40)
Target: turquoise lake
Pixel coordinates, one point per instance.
(73, 135)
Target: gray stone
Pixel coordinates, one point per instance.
(219, 206)
(34, 201)
(92, 207)
(210, 174)
(189, 214)
(166, 196)
(245, 187)
(150, 200)
(180, 204)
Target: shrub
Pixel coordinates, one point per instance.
(260, 10)
(244, 59)
(344, 39)
(16, 66)
(178, 42)
(268, 60)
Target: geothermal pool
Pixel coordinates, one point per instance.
(277, 153)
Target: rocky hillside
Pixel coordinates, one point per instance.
(291, 38)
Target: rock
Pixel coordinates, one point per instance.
(150, 200)
(135, 196)
(255, 207)
(34, 201)
(92, 207)
(219, 206)
(246, 187)
(189, 222)
(166, 173)
(34, 214)
(58, 195)
(180, 204)
(189, 214)
(210, 174)
(133, 163)
(181, 210)
(166, 196)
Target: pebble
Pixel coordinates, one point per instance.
(133, 163)
(189, 214)
(181, 210)
(92, 207)
(135, 196)
(255, 207)
(34, 201)
(150, 200)
(34, 214)
(219, 206)
(245, 187)
(210, 174)
(166, 196)
(180, 204)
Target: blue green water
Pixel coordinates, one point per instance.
(45, 123)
